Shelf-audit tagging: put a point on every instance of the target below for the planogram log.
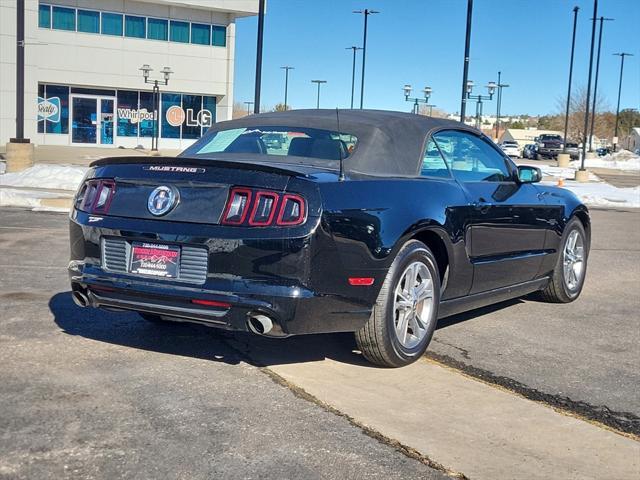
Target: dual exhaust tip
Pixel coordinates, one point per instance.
(80, 299)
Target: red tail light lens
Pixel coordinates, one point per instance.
(263, 208)
(291, 210)
(237, 206)
(95, 196)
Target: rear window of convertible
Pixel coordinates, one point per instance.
(280, 141)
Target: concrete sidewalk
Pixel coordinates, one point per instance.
(466, 426)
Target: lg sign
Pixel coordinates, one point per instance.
(176, 116)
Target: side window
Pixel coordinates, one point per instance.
(472, 159)
(433, 164)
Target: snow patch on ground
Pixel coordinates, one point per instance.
(59, 177)
(567, 173)
(601, 194)
(10, 197)
(622, 160)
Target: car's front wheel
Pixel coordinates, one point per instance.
(569, 274)
(406, 311)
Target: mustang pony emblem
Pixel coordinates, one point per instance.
(162, 200)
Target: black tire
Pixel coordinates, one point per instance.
(558, 291)
(377, 339)
(539, 157)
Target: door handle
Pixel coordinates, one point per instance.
(482, 205)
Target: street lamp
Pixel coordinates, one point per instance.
(573, 47)
(166, 72)
(248, 104)
(353, 71)
(583, 176)
(595, 84)
(286, 84)
(499, 104)
(491, 88)
(319, 82)
(366, 12)
(426, 91)
(615, 134)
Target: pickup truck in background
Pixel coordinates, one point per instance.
(548, 146)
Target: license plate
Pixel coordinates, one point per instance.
(154, 259)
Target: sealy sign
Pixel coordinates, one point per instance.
(49, 109)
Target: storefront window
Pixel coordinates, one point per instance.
(146, 107)
(209, 103)
(112, 24)
(88, 21)
(219, 38)
(200, 34)
(44, 16)
(134, 26)
(127, 113)
(57, 97)
(64, 18)
(179, 32)
(191, 104)
(170, 119)
(158, 29)
(41, 119)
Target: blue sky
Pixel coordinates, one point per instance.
(421, 42)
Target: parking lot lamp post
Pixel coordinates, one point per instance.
(248, 104)
(595, 84)
(573, 47)
(417, 101)
(166, 72)
(586, 113)
(491, 88)
(286, 84)
(500, 86)
(366, 12)
(615, 134)
(260, 39)
(319, 82)
(353, 71)
(465, 70)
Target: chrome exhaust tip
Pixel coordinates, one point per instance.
(80, 298)
(260, 324)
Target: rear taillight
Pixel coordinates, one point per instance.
(95, 196)
(263, 208)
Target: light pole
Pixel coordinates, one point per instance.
(366, 12)
(500, 86)
(248, 104)
(166, 72)
(417, 101)
(586, 113)
(615, 134)
(256, 101)
(465, 70)
(319, 82)
(286, 84)
(595, 84)
(353, 71)
(491, 88)
(573, 47)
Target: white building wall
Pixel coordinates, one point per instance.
(96, 60)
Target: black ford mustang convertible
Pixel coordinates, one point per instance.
(372, 222)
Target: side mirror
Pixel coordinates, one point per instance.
(527, 174)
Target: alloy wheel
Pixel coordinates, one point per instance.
(413, 305)
(573, 260)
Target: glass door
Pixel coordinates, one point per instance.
(106, 121)
(84, 120)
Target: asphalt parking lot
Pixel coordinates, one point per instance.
(98, 394)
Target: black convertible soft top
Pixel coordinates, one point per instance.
(389, 143)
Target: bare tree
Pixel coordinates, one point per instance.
(602, 128)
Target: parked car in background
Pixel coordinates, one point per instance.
(548, 146)
(315, 239)
(511, 148)
(573, 149)
(529, 151)
(602, 151)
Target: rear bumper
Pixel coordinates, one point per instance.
(549, 152)
(245, 277)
